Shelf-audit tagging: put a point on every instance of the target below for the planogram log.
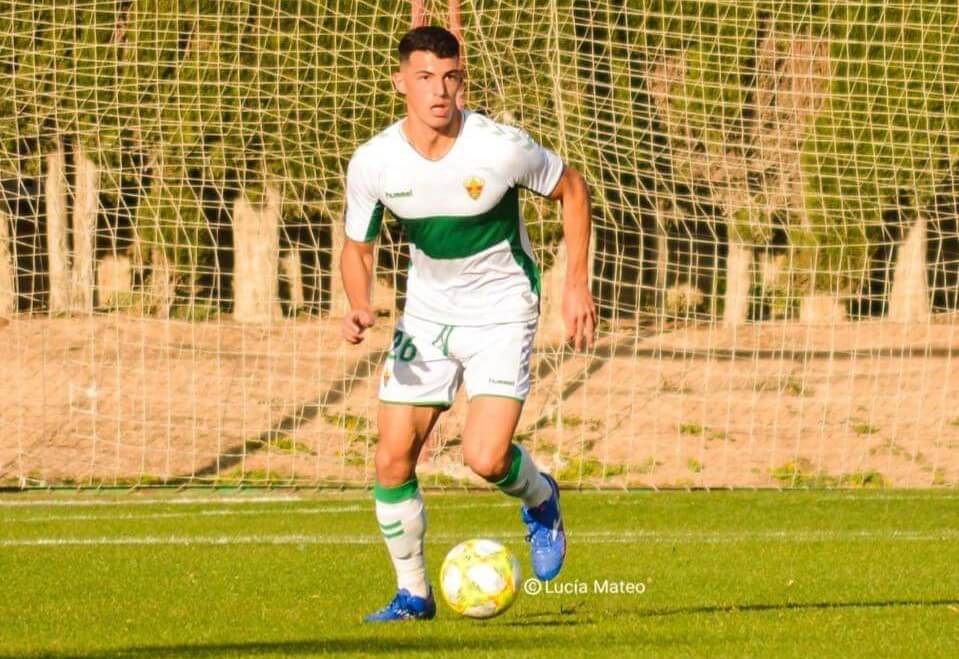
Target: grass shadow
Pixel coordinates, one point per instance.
(382, 645)
(784, 606)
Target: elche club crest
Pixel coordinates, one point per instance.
(474, 186)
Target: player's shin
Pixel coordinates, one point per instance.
(402, 520)
(523, 479)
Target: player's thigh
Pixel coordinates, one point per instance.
(490, 424)
(418, 382)
(403, 429)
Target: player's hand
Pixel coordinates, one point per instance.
(355, 322)
(579, 315)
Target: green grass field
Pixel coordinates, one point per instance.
(805, 573)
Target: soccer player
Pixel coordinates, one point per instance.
(451, 177)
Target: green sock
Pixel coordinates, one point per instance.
(523, 479)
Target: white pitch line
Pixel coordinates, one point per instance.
(617, 497)
(596, 537)
(331, 510)
(40, 503)
(189, 513)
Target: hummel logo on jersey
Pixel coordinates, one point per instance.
(395, 195)
(495, 381)
(474, 186)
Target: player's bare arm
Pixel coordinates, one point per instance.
(579, 312)
(356, 267)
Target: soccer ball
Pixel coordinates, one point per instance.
(480, 578)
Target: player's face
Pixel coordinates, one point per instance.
(430, 85)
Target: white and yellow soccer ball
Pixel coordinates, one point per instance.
(480, 578)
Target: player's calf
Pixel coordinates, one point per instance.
(519, 477)
(540, 511)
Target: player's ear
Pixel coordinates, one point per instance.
(398, 82)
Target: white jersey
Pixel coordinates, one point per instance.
(472, 263)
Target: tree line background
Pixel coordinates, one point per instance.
(748, 159)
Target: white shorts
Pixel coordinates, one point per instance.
(428, 361)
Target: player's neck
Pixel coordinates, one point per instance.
(432, 143)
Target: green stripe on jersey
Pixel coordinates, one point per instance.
(461, 236)
(376, 219)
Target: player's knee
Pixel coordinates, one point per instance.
(488, 464)
(392, 468)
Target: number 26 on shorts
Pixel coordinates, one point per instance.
(402, 348)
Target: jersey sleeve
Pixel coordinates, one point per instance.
(537, 168)
(364, 211)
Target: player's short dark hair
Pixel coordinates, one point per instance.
(439, 41)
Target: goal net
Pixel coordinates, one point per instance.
(775, 247)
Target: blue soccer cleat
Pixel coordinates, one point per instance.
(546, 535)
(405, 606)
